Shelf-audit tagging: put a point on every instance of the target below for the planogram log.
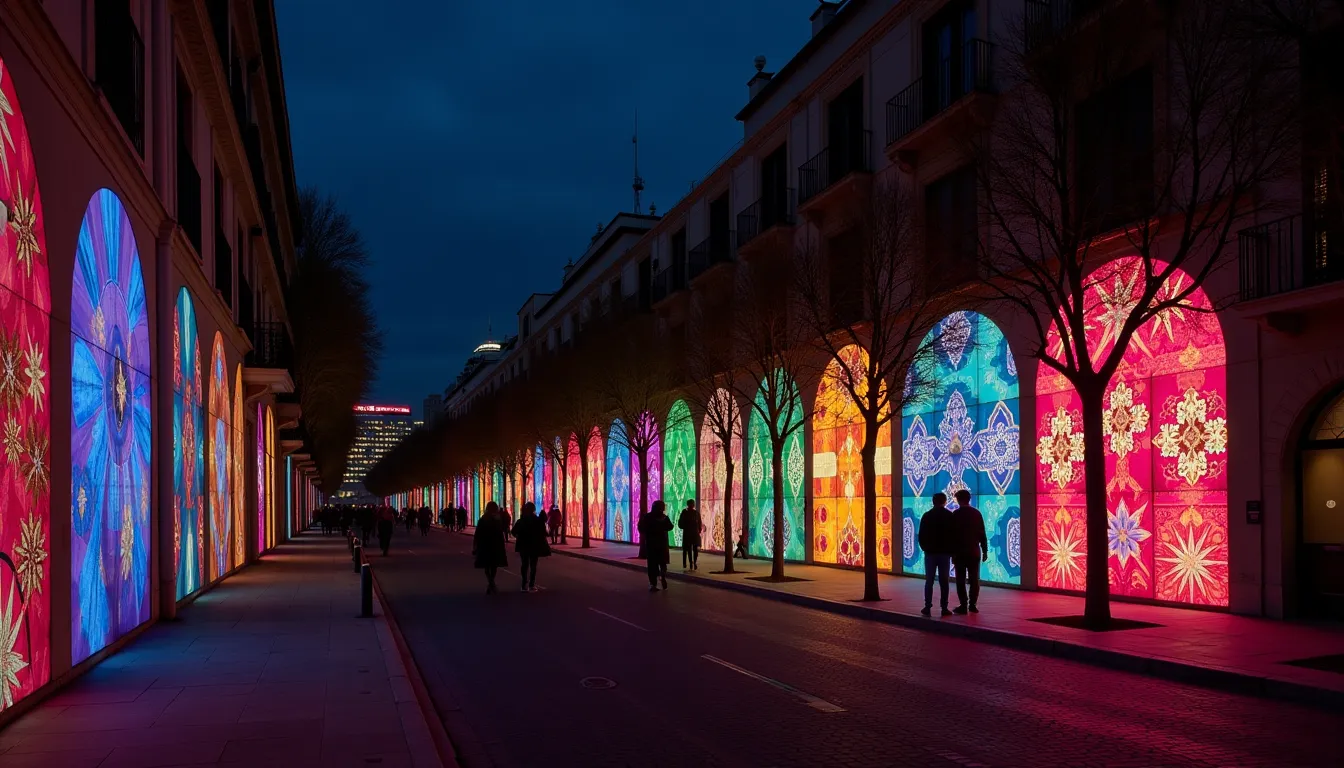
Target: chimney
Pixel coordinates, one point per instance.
(758, 80)
(823, 15)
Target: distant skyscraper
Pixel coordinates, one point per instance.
(433, 410)
(379, 428)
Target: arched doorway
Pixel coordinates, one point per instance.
(1320, 523)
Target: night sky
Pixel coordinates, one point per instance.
(477, 145)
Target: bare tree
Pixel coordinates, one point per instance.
(871, 289)
(1154, 145)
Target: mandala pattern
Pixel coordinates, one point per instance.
(261, 486)
(237, 542)
(679, 462)
(1165, 442)
(188, 448)
(969, 394)
(760, 472)
(110, 432)
(597, 507)
(573, 489)
(25, 410)
(540, 475)
(221, 459)
(837, 469)
(272, 495)
(714, 476)
(618, 483)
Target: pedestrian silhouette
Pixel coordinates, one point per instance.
(741, 549)
(653, 529)
(937, 537)
(972, 549)
(529, 533)
(488, 545)
(387, 521)
(690, 526)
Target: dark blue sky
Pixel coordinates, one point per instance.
(477, 144)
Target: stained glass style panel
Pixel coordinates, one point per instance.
(679, 467)
(597, 505)
(261, 486)
(714, 481)
(25, 411)
(653, 469)
(237, 541)
(760, 473)
(617, 526)
(110, 432)
(964, 435)
(271, 495)
(573, 489)
(1165, 439)
(188, 449)
(221, 433)
(837, 471)
(539, 477)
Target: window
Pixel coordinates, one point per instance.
(949, 56)
(951, 228)
(1114, 153)
(223, 253)
(679, 259)
(848, 146)
(775, 207)
(119, 62)
(188, 178)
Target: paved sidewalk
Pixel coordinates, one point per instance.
(270, 668)
(1221, 650)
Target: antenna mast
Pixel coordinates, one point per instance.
(638, 184)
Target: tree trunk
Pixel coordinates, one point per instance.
(728, 542)
(564, 494)
(777, 488)
(643, 485)
(869, 456)
(1097, 603)
(583, 464)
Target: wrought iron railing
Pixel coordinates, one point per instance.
(772, 210)
(716, 249)
(844, 155)
(1281, 256)
(1043, 21)
(971, 70)
(271, 347)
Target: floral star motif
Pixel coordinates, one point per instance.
(31, 553)
(1124, 532)
(11, 370)
(127, 541)
(1188, 557)
(1063, 547)
(1062, 448)
(34, 468)
(1193, 438)
(11, 662)
(23, 220)
(35, 373)
(6, 112)
(1117, 303)
(98, 327)
(1123, 419)
(13, 440)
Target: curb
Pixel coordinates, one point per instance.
(1215, 678)
(442, 744)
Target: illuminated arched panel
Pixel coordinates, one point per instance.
(1165, 432)
(760, 473)
(597, 506)
(646, 434)
(237, 541)
(679, 467)
(541, 478)
(269, 475)
(110, 432)
(573, 489)
(617, 525)
(714, 479)
(221, 520)
(188, 448)
(261, 486)
(25, 411)
(964, 435)
(837, 470)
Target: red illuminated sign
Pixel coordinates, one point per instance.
(401, 409)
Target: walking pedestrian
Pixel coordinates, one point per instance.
(508, 522)
(461, 518)
(741, 549)
(937, 537)
(425, 515)
(488, 545)
(653, 529)
(410, 519)
(972, 549)
(387, 522)
(690, 526)
(530, 534)
(554, 521)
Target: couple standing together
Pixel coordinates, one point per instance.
(956, 536)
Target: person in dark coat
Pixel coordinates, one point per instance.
(690, 526)
(488, 545)
(555, 524)
(972, 549)
(425, 519)
(937, 537)
(653, 530)
(387, 521)
(530, 534)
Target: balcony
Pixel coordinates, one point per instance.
(837, 182)
(667, 283)
(189, 198)
(1286, 267)
(224, 269)
(1046, 21)
(716, 250)
(941, 105)
(120, 68)
(271, 358)
(766, 226)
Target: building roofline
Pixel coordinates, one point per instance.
(804, 54)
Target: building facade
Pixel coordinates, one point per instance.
(1221, 492)
(379, 429)
(149, 211)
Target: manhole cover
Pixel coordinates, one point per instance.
(597, 683)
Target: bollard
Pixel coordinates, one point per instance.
(366, 592)
(358, 555)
